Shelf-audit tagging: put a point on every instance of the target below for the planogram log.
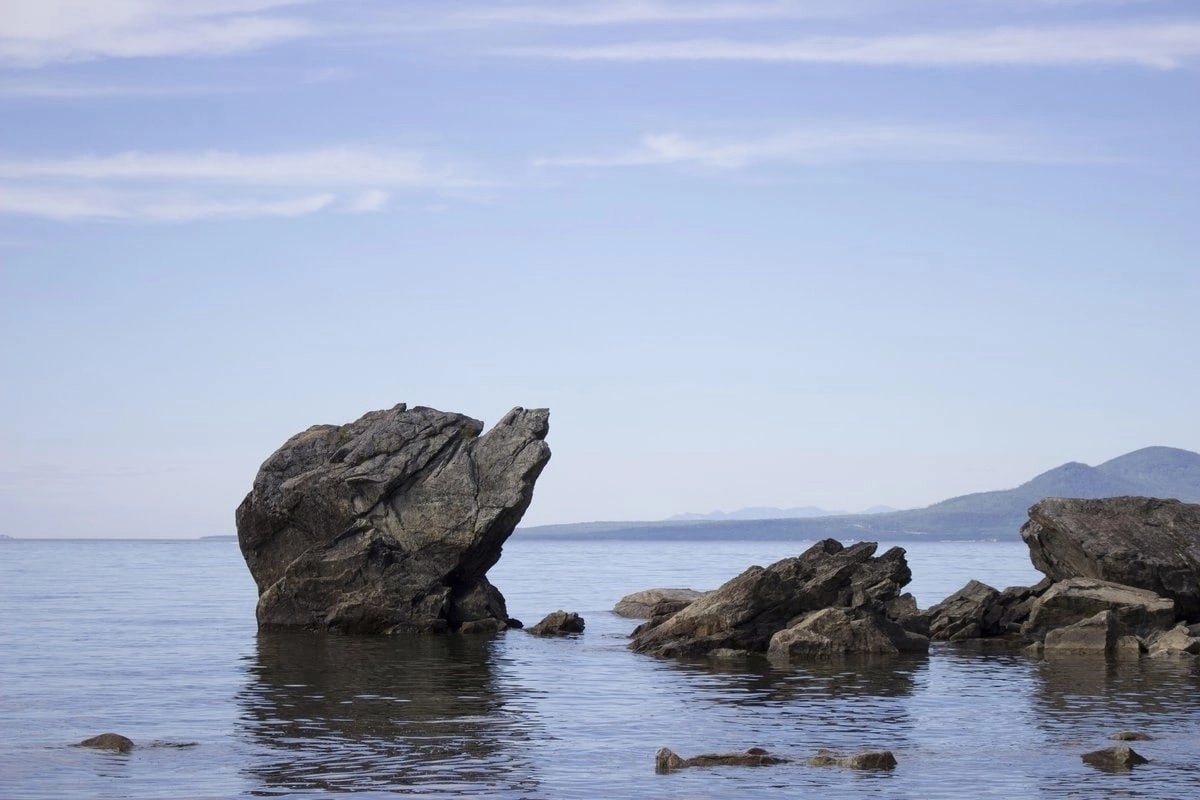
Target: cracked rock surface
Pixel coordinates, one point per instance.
(390, 523)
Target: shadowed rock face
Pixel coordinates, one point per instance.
(1136, 541)
(390, 523)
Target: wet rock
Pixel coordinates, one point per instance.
(960, 616)
(833, 632)
(1071, 601)
(649, 602)
(876, 759)
(390, 523)
(558, 623)
(109, 741)
(1114, 759)
(748, 610)
(1097, 634)
(1131, 736)
(667, 761)
(1146, 543)
(903, 610)
(1177, 641)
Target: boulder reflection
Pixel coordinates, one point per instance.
(340, 713)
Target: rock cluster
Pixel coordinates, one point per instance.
(828, 601)
(390, 523)
(1122, 577)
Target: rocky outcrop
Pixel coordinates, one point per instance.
(109, 741)
(390, 523)
(747, 611)
(1142, 542)
(666, 760)
(650, 602)
(558, 623)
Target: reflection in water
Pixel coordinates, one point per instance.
(340, 713)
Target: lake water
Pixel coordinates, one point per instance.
(156, 640)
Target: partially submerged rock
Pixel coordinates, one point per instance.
(558, 623)
(1097, 634)
(644, 604)
(1073, 600)
(390, 523)
(834, 632)
(1176, 641)
(875, 759)
(1143, 542)
(1115, 759)
(747, 611)
(666, 760)
(109, 741)
(1131, 736)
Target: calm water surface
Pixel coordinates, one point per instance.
(156, 640)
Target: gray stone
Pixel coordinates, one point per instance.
(558, 623)
(748, 610)
(109, 741)
(960, 616)
(876, 759)
(1177, 641)
(833, 632)
(1070, 601)
(1147, 543)
(1114, 759)
(1097, 634)
(390, 523)
(644, 604)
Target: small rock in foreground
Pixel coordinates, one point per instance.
(109, 741)
(876, 759)
(666, 760)
(558, 623)
(1114, 759)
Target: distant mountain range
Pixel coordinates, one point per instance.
(1149, 472)
(771, 512)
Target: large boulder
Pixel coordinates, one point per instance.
(390, 523)
(1137, 541)
(748, 610)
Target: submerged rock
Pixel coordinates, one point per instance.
(390, 523)
(747, 611)
(876, 759)
(109, 741)
(1115, 759)
(558, 623)
(1131, 736)
(666, 760)
(1146, 543)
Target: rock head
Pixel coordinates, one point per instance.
(1142, 542)
(390, 523)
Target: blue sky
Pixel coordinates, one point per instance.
(749, 253)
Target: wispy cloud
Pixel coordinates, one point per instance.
(37, 32)
(1161, 45)
(216, 184)
(626, 12)
(829, 144)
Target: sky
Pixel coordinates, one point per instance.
(764, 253)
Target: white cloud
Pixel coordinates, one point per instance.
(38, 32)
(624, 12)
(829, 144)
(214, 184)
(1163, 45)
